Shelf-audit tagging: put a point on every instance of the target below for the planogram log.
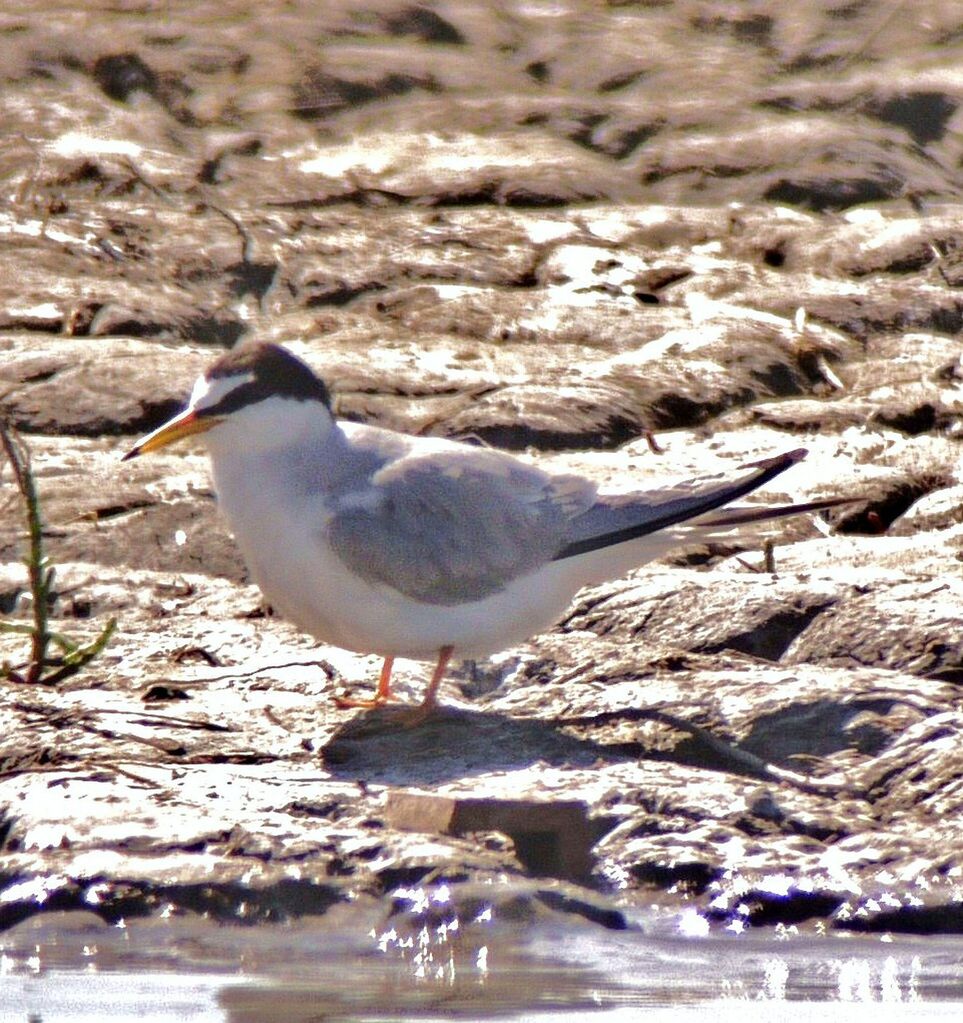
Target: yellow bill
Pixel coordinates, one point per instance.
(183, 425)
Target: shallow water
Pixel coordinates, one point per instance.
(71, 966)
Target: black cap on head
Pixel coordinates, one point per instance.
(273, 371)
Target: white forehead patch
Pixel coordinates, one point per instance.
(207, 393)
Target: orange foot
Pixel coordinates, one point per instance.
(369, 704)
(409, 717)
(382, 694)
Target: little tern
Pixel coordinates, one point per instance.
(420, 547)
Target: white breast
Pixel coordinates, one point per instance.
(280, 534)
(275, 504)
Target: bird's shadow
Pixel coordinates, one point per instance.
(454, 743)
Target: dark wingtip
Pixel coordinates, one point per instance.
(765, 513)
(785, 460)
(680, 510)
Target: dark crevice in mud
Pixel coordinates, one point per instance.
(539, 71)
(924, 115)
(775, 255)
(691, 878)
(621, 81)
(213, 330)
(677, 411)
(949, 674)
(393, 878)
(823, 195)
(625, 143)
(338, 293)
(320, 95)
(226, 902)
(496, 193)
(163, 693)
(423, 24)
(499, 193)
(251, 278)
(113, 511)
(779, 380)
(860, 318)
(912, 262)
(7, 822)
(587, 123)
(912, 421)
(526, 279)
(880, 513)
(362, 197)
(943, 919)
(244, 758)
(815, 729)
(616, 432)
(120, 75)
(716, 170)
(40, 376)
(770, 639)
(766, 909)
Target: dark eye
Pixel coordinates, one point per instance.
(243, 394)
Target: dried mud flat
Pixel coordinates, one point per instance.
(734, 227)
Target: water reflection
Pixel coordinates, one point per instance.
(435, 956)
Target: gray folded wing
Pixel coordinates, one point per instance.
(620, 518)
(447, 530)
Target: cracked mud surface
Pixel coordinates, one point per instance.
(554, 234)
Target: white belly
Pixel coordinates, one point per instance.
(280, 530)
(311, 587)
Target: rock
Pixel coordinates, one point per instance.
(552, 838)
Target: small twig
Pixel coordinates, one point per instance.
(769, 554)
(134, 776)
(738, 759)
(145, 717)
(138, 175)
(247, 244)
(329, 671)
(654, 445)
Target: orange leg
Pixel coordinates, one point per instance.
(382, 694)
(416, 715)
(431, 693)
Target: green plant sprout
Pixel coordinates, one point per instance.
(41, 668)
